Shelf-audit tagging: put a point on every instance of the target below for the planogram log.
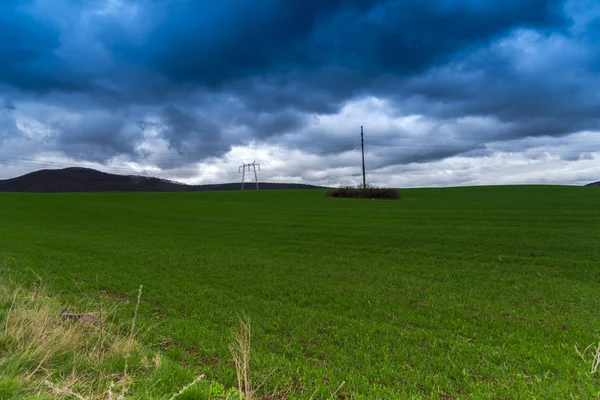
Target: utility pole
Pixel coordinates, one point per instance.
(249, 167)
(362, 144)
(243, 171)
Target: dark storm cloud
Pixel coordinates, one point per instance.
(26, 47)
(320, 91)
(196, 71)
(28, 50)
(8, 105)
(265, 125)
(558, 95)
(192, 135)
(95, 136)
(424, 154)
(8, 126)
(213, 43)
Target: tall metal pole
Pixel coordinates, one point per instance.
(243, 171)
(362, 144)
(254, 164)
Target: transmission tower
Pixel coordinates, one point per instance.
(250, 167)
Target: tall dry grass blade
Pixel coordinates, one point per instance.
(131, 333)
(186, 387)
(240, 352)
(337, 390)
(109, 393)
(39, 365)
(596, 360)
(12, 306)
(312, 396)
(137, 307)
(101, 333)
(62, 391)
(257, 388)
(238, 373)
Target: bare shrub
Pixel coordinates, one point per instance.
(370, 192)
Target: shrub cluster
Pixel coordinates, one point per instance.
(370, 192)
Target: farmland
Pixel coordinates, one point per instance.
(446, 293)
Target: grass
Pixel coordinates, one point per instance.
(448, 293)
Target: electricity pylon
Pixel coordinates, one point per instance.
(249, 166)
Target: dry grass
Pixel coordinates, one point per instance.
(36, 339)
(186, 387)
(240, 351)
(130, 340)
(35, 328)
(240, 348)
(591, 355)
(69, 358)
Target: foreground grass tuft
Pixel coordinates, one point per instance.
(240, 352)
(590, 355)
(46, 356)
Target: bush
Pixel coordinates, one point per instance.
(370, 192)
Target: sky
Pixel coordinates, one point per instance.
(449, 92)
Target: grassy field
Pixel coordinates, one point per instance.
(447, 293)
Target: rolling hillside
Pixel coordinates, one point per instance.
(90, 180)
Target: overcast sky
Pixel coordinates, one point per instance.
(450, 92)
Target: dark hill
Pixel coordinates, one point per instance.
(90, 180)
(593, 184)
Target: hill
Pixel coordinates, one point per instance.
(90, 180)
(593, 184)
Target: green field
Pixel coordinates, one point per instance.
(478, 292)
